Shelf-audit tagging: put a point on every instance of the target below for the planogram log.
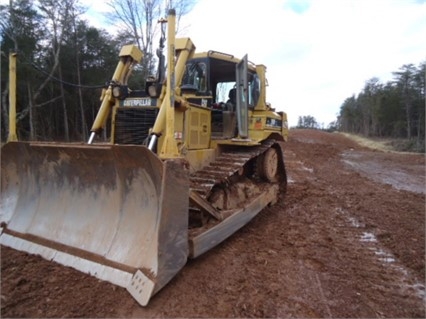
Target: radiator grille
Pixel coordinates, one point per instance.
(132, 124)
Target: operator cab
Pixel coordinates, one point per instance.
(210, 81)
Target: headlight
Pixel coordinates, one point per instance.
(152, 91)
(119, 92)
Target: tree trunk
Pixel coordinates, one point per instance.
(64, 108)
(80, 102)
(407, 113)
(83, 133)
(33, 125)
(5, 109)
(419, 124)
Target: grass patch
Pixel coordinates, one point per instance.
(388, 144)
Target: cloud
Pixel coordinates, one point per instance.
(298, 6)
(96, 14)
(317, 52)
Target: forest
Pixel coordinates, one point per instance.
(63, 62)
(395, 109)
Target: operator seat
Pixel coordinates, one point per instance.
(232, 102)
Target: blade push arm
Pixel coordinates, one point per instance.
(179, 52)
(129, 56)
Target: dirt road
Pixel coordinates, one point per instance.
(347, 241)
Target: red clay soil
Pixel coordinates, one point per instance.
(347, 241)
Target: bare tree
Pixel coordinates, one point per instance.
(75, 12)
(58, 14)
(182, 8)
(139, 22)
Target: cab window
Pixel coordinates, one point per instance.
(195, 76)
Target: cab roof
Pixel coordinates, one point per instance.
(222, 56)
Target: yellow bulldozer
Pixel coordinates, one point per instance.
(191, 159)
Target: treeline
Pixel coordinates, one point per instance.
(63, 62)
(307, 121)
(394, 109)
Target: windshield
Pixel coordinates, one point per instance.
(195, 76)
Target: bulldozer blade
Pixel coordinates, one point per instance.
(118, 213)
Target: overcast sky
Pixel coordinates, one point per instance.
(317, 52)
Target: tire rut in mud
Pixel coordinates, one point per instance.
(339, 244)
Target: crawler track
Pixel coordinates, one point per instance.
(227, 164)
